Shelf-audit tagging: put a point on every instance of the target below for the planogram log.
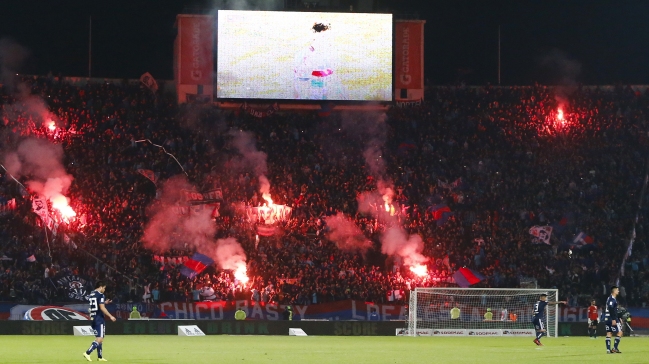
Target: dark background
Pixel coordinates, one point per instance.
(546, 41)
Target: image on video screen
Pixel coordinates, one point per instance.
(304, 56)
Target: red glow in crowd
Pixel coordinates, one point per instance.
(60, 203)
(419, 270)
(241, 274)
(556, 122)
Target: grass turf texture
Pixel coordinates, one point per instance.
(322, 349)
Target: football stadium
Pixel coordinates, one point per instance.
(292, 181)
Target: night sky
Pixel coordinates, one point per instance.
(546, 41)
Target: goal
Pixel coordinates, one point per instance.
(478, 312)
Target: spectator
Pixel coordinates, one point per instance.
(497, 157)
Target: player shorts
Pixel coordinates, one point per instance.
(538, 324)
(592, 322)
(613, 328)
(99, 328)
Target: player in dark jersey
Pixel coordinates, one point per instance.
(612, 322)
(537, 318)
(98, 312)
(593, 316)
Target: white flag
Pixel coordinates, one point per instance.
(150, 82)
(39, 205)
(541, 234)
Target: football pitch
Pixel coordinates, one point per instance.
(319, 349)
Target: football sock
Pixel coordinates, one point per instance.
(539, 335)
(608, 343)
(92, 347)
(617, 342)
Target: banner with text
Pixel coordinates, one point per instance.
(269, 214)
(342, 310)
(195, 49)
(336, 311)
(409, 61)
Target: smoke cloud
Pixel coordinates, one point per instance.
(396, 242)
(12, 56)
(264, 185)
(31, 107)
(563, 71)
(346, 234)
(229, 254)
(371, 130)
(170, 227)
(251, 159)
(173, 225)
(40, 161)
(368, 202)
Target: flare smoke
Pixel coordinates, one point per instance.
(372, 129)
(396, 242)
(168, 228)
(345, 234)
(175, 226)
(251, 159)
(40, 161)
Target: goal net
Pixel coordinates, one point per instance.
(478, 312)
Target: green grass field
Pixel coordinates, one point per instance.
(319, 349)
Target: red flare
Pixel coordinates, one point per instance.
(419, 270)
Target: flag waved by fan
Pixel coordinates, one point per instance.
(541, 234)
(196, 265)
(465, 277)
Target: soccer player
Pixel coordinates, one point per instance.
(592, 320)
(313, 71)
(537, 319)
(612, 323)
(97, 312)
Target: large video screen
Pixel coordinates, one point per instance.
(304, 56)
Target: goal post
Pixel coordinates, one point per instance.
(478, 312)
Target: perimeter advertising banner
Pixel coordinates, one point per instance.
(221, 310)
(336, 311)
(409, 61)
(333, 311)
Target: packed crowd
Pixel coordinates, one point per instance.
(501, 159)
